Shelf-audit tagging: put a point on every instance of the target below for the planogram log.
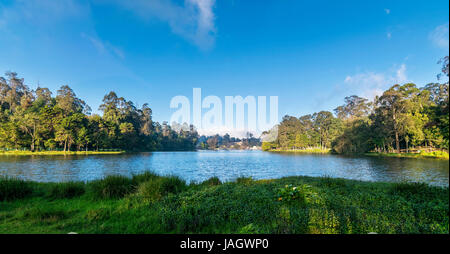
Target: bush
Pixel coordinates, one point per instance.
(156, 188)
(303, 193)
(244, 180)
(67, 190)
(111, 187)
(173, 184)
(151, 190)
(213, 181)
(141, 178)
(11, 189)
(412, 190)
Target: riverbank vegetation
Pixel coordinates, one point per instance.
(314, 150)
(226, 142)
(149, 203)
(404, 119)
(27, 153)
(36, 120)
(435, 155)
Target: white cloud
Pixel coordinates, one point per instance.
(388, 11)
(103, 47)
(371, 84)
(193, 20)
(439, 36)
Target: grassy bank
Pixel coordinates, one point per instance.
(152, 204)
(435, 155)
(14, 153)
(306, 150)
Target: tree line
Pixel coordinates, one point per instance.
(227, 142)
(36, 120)
(403, 117)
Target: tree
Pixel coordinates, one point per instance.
(354, 107)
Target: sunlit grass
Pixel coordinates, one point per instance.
(435, 154)
(149, 203)
(317, 150)
(18, 152)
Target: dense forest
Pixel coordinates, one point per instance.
(402, 118)
(227, 142)
(34, 120)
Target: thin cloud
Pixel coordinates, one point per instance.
(371, 84)
(103, 47)
(194, 20)
(40, 12)
(439, 36)
(387, 11)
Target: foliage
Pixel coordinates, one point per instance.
(35, 120)
(156, 188)
(11, 189)
(319, 205)
(401, 118)
(212, 181)
(111, 187)
(304, 194)
(67, 190)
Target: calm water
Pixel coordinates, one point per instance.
(227, 165)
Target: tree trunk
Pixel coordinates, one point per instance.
(32, 144)
(33, 135)
(397, 142)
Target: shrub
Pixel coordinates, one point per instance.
(11, 189)
(412, 190)
(213, 181)
(173, 184)
(156, 188)
(303, 193)
(151, 190)
(111, 187)
(144, 177)
(244, 180)
(67, 190)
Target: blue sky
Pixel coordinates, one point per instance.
(309, 53)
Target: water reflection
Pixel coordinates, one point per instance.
(227, 165)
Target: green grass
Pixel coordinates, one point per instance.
(149, 203)
(434, 155)
(18, 152)
(311, 150)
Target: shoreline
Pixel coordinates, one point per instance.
(149, 203)
(53, 153)
(439, 156)
(431, 155)
(305, 151)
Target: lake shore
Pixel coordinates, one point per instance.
(148, 203)
(423, 155)
(27, 153)
(305, 151)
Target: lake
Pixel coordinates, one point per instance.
(227, 165)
